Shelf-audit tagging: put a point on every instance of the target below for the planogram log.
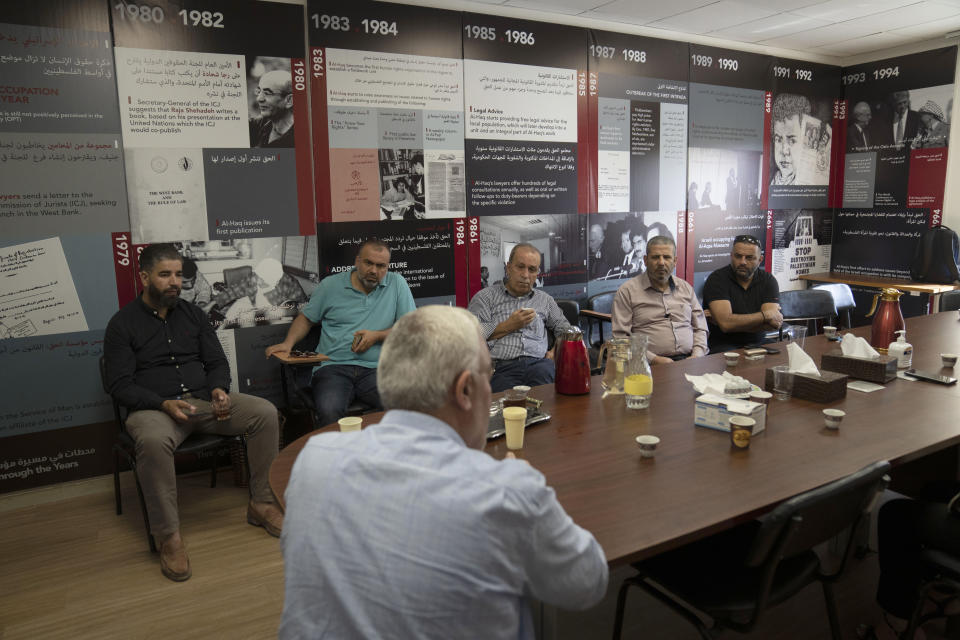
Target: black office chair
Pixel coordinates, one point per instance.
(571, 311)
(842, 300)
(299, 376)
(732, 577)
(807, 305)
(943, 571)
(197, 444)
(603, 303)
(949, 301)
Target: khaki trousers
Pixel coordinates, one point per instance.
(157, 435)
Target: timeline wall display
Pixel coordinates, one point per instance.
(559, 238)
(60, 151)
(801, 139)
(424, 252)
(898, 115)
(210, 101)
(525, 101)
(617, 243)
(728, 129)
(387, 89)
(638, 123)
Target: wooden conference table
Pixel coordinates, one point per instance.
(696, 485)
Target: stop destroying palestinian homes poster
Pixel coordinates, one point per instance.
(213, 104)
(387, 93)
(725, 158)
(637, 90)
(525, 100)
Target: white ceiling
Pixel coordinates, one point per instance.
(834, 28)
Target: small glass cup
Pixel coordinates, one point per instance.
(782, 382)
(798, 333)
(515, 397)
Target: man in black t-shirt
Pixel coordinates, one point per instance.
(744, 300)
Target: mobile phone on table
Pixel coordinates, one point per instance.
(930, 377)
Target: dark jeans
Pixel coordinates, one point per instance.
(524, 370)
(905, 528)
(337, 386)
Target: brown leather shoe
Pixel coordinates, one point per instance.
(266, 515)
(174, 562)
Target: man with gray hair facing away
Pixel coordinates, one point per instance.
(408, 530)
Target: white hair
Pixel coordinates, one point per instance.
(424, 353)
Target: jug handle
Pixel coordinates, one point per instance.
(873, 307)
(603, 348)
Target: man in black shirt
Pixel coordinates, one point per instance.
(744, 300)
(165, 364)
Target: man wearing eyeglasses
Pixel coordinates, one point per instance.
(514, 318)
(744, 300)
(274, 127)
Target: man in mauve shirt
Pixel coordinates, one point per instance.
(662, 307)
(165, 364)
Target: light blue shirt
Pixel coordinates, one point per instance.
(401, 531)
(342, 310)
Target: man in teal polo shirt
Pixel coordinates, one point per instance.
(356, 310)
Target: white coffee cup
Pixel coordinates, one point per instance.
(830, 332)
(350, 423)
(648, 445)
(833, 417)
(948, 360)
(732, 358)
(514, 420)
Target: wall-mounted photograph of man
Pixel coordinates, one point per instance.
(402, 187)
(560, 239)
(617, 242)
(801, 140)
(270, 100)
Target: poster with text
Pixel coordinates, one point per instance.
(214, 113)
(560, 239)
(638, 114)
(897, 132)
(800, 245)
(728, 129)
(525, 100)
(387, 94)
(422, 251)
(801, 140)
(60, 153)
(876, 242)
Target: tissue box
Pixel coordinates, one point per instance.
(828, 387)
(714, 412)
(882, 369)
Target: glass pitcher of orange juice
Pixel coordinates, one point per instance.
(638, 379)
